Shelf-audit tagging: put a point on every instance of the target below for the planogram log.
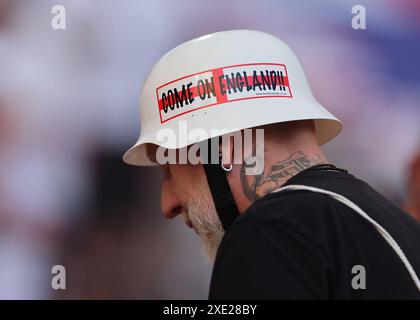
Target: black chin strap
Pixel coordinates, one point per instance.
(221, 193)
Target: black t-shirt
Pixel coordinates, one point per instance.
(304, 245)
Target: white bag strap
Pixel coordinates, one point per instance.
(394, 245)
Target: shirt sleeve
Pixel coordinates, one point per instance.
(264, 258)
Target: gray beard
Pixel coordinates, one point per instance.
(206, 223)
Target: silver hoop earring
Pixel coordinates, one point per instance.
(227, 169)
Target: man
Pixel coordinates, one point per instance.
(281, 223)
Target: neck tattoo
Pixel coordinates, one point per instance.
(254, 187)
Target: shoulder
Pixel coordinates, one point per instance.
(287, 218)
(268, 247)
(289, 208)
(280, 204)
(296, 214)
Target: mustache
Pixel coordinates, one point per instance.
(186, 219)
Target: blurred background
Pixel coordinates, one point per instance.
(68, 110)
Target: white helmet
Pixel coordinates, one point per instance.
(230, 80)
(222, 83)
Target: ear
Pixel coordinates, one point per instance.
(227, 149)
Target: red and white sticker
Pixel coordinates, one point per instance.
(222, 85)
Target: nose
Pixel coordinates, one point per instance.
(170, 204)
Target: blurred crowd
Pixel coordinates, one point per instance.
(68, 110)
